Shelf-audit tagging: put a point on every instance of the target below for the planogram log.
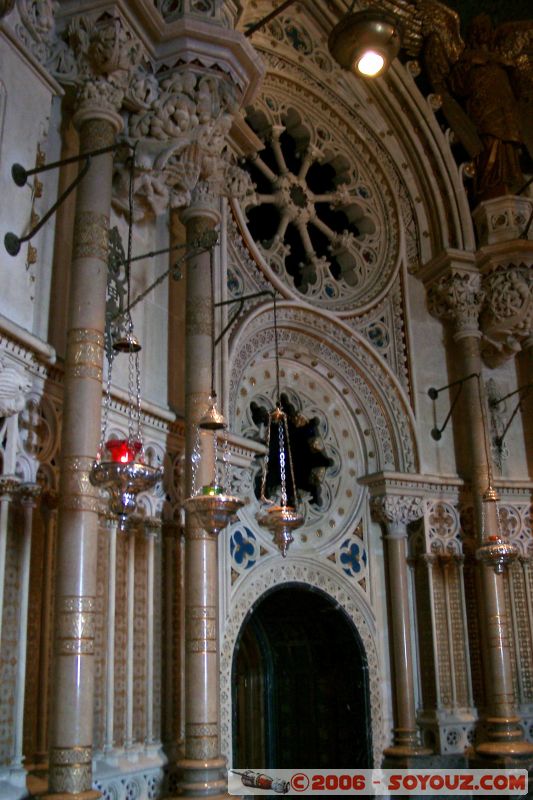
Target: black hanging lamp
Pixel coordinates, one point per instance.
(280, 515)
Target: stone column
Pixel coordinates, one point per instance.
(49, 514)
(395, 512)
(28, 495)
(71, 732)
(202, 766)
(152, 531)
(457, 296)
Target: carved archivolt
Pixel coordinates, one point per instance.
(355, 374)
(270, 575)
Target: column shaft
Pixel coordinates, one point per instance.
(405, 731)
(73, 680)
(201, 767)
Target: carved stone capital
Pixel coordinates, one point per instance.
(396, 510)
(507, 317)
(458, 297)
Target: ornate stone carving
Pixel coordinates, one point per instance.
(507, 316)
(396, 509)
(458, 296)
(182, 125)
(319, 221)
(15, 384)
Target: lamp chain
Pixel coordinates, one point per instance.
(277, 350)
(195, 462)
(490, 476)
(212, 276)
(282, 473)
(264, 498)
(107, 399)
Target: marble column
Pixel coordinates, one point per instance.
(28, 495)
(70, 771)
(202, 767)
(8, 487)
(48, 509)
(152, 531)
(395, 512)
(457, 296)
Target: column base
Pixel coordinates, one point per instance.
(203, 778)
(406, 745)
(505, 743)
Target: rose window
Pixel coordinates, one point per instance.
(315, 218)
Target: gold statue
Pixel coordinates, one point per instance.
(492, 75)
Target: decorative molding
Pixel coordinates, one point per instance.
(271, 574)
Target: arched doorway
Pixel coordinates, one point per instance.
(300, 685)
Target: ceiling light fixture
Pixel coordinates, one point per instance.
(366, 42)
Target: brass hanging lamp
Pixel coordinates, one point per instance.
(211, 506)
(496, 550)
(281, 515)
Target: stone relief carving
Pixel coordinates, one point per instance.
(507, 315)
(15, 384)
(458, 297)
(328, 202)
(396, 509)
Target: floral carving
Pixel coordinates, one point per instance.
(396, 509)
(457, 297)
(507, 315)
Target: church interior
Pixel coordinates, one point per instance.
(266, 390)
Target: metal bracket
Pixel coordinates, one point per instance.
(20, 175)
(433, 393)
(498, 440)
(241, 301)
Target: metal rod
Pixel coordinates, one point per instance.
(12, 242)
(153, 253)
(433, 393)
(527, 386)
(160, 279)
(234, 316)
(525, 232)
(436, 433)
(255, 27)
(20, 173)
(524, 187)
(498, 441)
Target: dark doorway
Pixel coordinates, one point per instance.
(300, 686)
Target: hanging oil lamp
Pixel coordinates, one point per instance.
(495, 551)
(281, 516)
(119, 466)
(211, 506)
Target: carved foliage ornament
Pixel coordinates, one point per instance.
(507, 316)
(396, 509)
(457, 297)
(182, 126)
